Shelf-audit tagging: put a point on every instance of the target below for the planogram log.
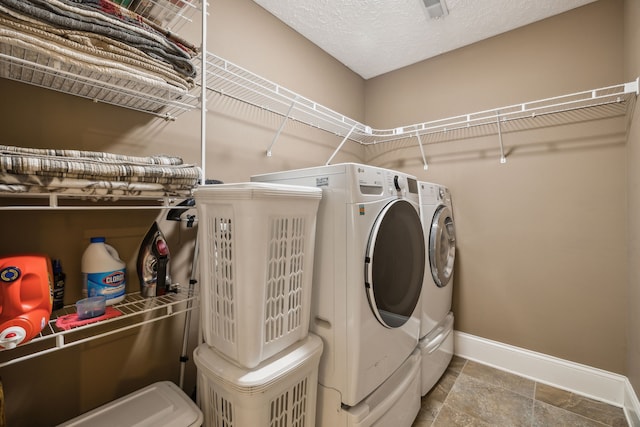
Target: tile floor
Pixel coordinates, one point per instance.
(472, 395)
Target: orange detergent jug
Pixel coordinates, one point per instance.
(26, 297)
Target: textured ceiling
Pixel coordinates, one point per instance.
(373, 37)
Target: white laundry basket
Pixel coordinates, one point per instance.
(162, 404)
(256, 261)
(281, 391)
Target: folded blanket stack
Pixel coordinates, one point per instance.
(98, 41)
(94, 174)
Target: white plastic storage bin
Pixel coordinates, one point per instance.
(256, 262)
(281, 391)
(161, 404)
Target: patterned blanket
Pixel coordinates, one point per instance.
(95, 155)
(95, 166)
(87, 188)
(93, 174)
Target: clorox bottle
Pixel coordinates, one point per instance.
(103, 272)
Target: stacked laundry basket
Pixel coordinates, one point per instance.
(258, 365)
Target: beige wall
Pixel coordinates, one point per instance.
(542, 260)
(247, 35)
(541, 239)
(632, 71)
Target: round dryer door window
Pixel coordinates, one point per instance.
(395, 263)
(442, 246)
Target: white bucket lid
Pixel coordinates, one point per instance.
(255, 380)
(162, 404)
(255, 190)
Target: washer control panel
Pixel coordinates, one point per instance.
(399, 182)
(402, 183)
(378, 181)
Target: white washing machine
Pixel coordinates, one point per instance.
(436, 326)
(369, 265)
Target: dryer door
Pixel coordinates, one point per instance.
(442, 246)
(395, 263)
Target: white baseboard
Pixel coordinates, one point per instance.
(631, 405)
(580, 379)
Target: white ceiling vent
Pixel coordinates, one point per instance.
(436, 8)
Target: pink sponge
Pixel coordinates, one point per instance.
(69, 321)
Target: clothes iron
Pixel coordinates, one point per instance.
(153, 263)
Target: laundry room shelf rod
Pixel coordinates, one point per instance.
(230, 80)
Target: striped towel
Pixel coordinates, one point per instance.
(92, 165)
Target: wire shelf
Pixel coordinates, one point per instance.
(98, 87)
(169, 14)
(34, 67)
(227, 79)
(60, 201)
(607, 102)
(136, 311)
(31, 65)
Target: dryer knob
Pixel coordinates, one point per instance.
(399, 182)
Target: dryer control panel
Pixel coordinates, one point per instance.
(428, 193)
(433, 194)
(444, 195)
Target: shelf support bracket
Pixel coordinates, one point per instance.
(286, 117)
(424, 159)
(53, 200)
(503, 159)
(340, 146)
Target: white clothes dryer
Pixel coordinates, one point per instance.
(369, 264)
(436, 326)
(436, 213)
